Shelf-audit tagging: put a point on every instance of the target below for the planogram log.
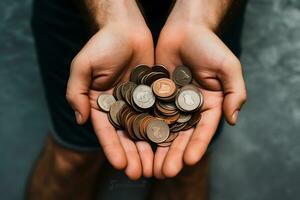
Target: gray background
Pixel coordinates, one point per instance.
(257, 159)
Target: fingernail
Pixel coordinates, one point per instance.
(235, 116)
(78, 117)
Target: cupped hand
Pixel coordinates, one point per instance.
(104, 61)
(219, 75)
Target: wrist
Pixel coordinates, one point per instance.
(106, 12)
(207, 13)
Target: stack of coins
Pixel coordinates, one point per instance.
(153, 107)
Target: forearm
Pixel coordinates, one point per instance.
(102, 12)
(210, 13)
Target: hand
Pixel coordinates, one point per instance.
(103, 62)
(219, 74)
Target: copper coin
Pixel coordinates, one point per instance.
(164, 87)
(182, 75)
(105, 101)
(157, 130)
(171, 119)
(170, 98)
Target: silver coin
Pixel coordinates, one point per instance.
(105, 101)
(188, 100)
(143, 96)
(182, 75)
(184, 117)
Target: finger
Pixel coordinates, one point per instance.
(159, 157)
(77, 88)
(146, 155)
(134, 166)
(109, 140)
(211, 59)
(174, 159)
(234, 88)
(202, 135)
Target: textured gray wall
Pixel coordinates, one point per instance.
(258, 159)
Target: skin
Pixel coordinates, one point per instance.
(124, 40)
(188, 37)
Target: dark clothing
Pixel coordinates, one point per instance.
(60, 32)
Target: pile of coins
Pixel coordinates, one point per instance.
(152, 106)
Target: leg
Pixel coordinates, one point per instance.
(61, 173)
(190, 184)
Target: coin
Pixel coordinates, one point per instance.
(157, 130)
(128, 92)
(143, 126)
(188, 100)
(161, 68)
(105, 101)
(157, 113)
(184, 117)
(136, 125)
(164, 144)
(164, 87)
(129, 126)
(163, 110)
(126, 86)
(182, 75)
(194, 120)
(137, 72)
(117, 91)
(143, 96)
(172, 137)
(151, 76)
(114, 109)
(176, 127)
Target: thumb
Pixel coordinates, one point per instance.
(78, 88)
(234, 88)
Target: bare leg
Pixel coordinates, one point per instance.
(61, 173)
(190, 184)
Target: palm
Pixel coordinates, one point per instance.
(108, 57)
(204, 53)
